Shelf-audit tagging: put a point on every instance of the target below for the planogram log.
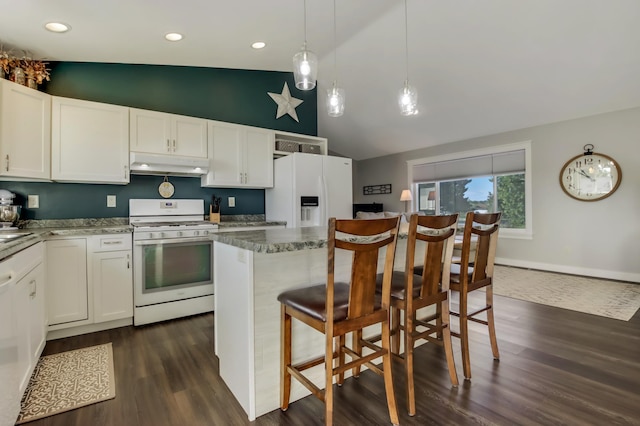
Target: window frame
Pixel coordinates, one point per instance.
(522, 233)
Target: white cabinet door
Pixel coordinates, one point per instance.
(89, 142)
(259, 158)
(66, 272)
(112, 282)
(37, 312)
(9, 374)
(21, 303)
(162, 133)
(240, 156)
(25, 132)
(190, 136)
(225, 154)
(31, 325)
(150, 131)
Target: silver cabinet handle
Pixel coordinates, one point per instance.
(128, 263)
(241, 178)
(111, 243)
(33, 293)
(174, 145)
(125, 172)
(7, 166)
(168, 145)
(246, 179)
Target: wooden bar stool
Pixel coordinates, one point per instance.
(472, 273)
(429, 288)
(355, 306)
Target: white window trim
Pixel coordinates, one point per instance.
(527, 232)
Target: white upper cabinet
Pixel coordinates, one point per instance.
(240, 156)
(171, 134)
(25, 132)
(89, 142)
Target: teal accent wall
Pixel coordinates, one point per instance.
(76, 200)
(235, 96)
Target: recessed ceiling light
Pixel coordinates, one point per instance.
(173, 36)
(258, 45)
(57, 27)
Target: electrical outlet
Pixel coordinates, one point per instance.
(33, 202)
(111, 200)
(232, 201)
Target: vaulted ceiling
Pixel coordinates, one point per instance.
(480, 66)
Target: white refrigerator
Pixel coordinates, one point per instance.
(308, 189)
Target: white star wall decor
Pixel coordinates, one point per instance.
(286, 103)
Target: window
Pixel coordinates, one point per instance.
(487, 180)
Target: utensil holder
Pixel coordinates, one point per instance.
(213, 217)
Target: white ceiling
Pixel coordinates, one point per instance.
(480, 66)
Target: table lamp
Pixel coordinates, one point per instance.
(406, 197)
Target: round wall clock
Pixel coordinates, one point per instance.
(590, 176)
(166, 188)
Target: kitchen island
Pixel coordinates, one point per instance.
(250, 269)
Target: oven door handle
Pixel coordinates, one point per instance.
(173, 241)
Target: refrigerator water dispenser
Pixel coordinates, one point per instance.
(309, 211)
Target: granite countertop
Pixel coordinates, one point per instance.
(281, 240)
(276, 240)
(39, 230)
(238, 224)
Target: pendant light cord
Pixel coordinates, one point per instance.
(305, 24)
(406, 38)
(335, 44)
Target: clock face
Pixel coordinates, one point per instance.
(166, 189)
(590, 177)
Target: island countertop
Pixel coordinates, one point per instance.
(275, 240)
(282, 240)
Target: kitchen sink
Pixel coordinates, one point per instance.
(5, 238)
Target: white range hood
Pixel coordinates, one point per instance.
(143, 163)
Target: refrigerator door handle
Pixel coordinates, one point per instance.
(324, 200)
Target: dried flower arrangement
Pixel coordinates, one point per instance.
(6, 60)
(35, 70)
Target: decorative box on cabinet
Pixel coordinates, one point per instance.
(162, 133)
(240, 156)
(25, 132)
(89, 142)
(287, 143)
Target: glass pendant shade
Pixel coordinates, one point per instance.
(335, 101)
(305, 69)
(408, 100)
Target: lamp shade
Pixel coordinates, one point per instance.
(406, 195)
(305, 69)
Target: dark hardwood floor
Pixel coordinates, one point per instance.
(557, 367)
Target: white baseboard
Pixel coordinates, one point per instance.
(573, 270)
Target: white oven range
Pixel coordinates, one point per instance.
(172, 259)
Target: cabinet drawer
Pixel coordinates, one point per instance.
(111, 242)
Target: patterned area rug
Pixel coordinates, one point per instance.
(69, 380)
(612, 299)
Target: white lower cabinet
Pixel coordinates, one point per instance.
(67, 290)
(111, 278)
(89, 284)
(22, 326)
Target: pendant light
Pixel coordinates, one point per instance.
(335, 95)
(305, 63)
(408, 98)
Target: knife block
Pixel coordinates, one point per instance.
(213, 217)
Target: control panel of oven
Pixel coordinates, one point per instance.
(172, 234)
